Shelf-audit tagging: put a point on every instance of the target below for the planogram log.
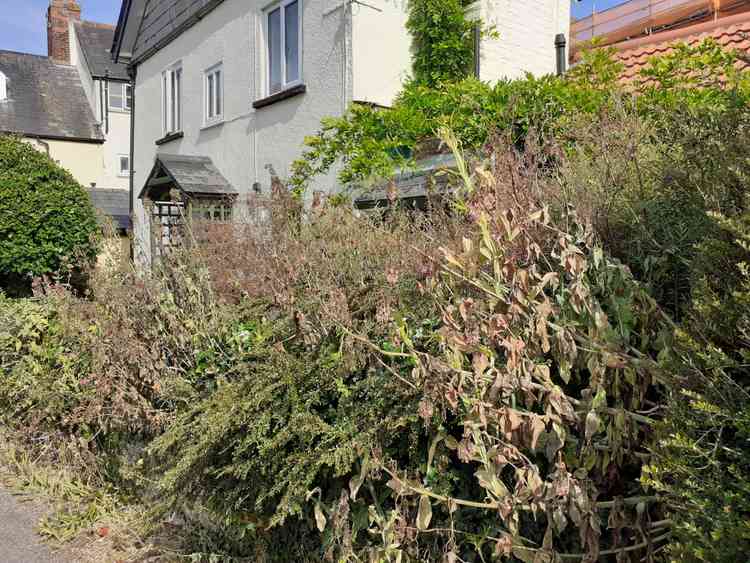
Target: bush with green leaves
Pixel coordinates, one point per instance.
(702, 461)
(46, 216)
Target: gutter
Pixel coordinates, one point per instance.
(39, 137)
(132, 71)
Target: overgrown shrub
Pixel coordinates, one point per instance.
(664, 179)
(702, 464)
(46, 217)
(484, 381)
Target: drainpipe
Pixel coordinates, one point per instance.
(131, 191)
(560, 44)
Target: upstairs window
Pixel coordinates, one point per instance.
(120, 96)
(3, 87)
(172, 99)
(213, 94)
(284, 45)
(124, 161)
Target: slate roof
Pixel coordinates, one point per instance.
(194, 175)
(112, 203)
(96, 42)
(732, 32)
(163, 20)
(45, 99)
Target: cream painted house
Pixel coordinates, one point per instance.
(73, 104)
(227, 90)
(43, 102)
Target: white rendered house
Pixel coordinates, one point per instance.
(227, 90)
(109, 93)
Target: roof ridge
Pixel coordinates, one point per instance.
(22, 53)
(99, 25)
(684, 33)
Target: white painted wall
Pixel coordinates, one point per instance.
(526, 41)
(526, 32)
(117, 143)
(353, 53)
(381, 48)
(117, 139)
(248, 140)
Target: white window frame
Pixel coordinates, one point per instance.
(172, 115)
(123, 87)
(120, 172)
(285, 85)
(218, 116)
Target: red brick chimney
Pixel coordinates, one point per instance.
(59, 16)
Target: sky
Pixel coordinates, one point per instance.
(23, 22)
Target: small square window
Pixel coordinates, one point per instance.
(213, 94)
(284, 45)
(124, 169)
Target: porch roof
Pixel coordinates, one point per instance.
(194, 176)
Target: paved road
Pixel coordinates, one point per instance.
(19, 543)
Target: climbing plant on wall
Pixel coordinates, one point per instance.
(442, 40)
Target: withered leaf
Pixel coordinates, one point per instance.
(537, 426)
(425, 513)
(320, 518)
(592, 424)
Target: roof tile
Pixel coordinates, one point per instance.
(732, 32)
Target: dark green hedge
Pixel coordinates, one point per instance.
(45, 215)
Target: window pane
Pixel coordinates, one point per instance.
(274, 50)
(178, 100)
(172, 105)
(115, 95)
(165, 105)
(218, 92)
(210, 92)
(128, 96)
(291, 28)
(124, 164)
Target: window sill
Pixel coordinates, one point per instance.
(119, 110)
(212, 124)
(280, 96)
(171, 137)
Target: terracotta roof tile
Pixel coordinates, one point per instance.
(731, 33)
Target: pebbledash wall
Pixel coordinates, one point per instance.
(248, 142)
(350, 52)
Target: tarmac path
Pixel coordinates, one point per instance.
(19, 543)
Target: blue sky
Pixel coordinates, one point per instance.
(23, 24)
(23, 27)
